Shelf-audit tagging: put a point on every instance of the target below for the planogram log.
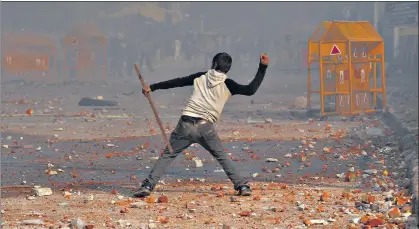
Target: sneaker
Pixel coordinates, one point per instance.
(245, 190)
(144, 191)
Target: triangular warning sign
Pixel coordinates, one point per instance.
(335, 50)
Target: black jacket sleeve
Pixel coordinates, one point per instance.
(178, 82)
(252, 87)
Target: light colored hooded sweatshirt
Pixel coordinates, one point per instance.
(209, 96)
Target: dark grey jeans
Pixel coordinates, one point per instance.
(186, 133)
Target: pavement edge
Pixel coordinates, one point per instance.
(409, 152)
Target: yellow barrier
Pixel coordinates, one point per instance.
(347, 55)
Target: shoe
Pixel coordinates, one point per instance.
(144, 191)
(245, 190)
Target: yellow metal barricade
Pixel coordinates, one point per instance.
(345, 66)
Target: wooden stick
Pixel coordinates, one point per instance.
(156, 114)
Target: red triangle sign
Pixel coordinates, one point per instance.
(335, 50)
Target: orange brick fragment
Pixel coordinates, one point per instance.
(346, 195)
(189, 157)
(400, 201)
(283, 186)
(307, 222)
(220, 194)
(124, 203)
(257, 198)
(163, 199)
(232, 192)
(29, 112)
(393, 226)
(364, 219)
(394, 212)
(150, 199)
(162, 219)
(370, 199)
(245, 213)
(325, 196)
(216, 188)
(375, 222)
(320, 209)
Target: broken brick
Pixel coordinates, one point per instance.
(320, 209)
(190, 206)
(364, 219)
(394, 213)
(150, 199)
(400, 201)
(163, 199)
(346, 195)
(283, 186)
(216, 188)
(368, 199)
(162, 219)
(220, 194)
(325, 196)
(245, 213)
(375, 222)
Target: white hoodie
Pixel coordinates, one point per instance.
(209, 96)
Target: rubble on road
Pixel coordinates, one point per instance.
(303, 173)
(39, 191)
(198, 162)
(33, 222)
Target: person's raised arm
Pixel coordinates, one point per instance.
(173, 83)
(252, 87)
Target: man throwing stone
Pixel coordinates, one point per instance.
(212, 89)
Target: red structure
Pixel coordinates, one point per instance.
(85, 54)
(28, 56)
